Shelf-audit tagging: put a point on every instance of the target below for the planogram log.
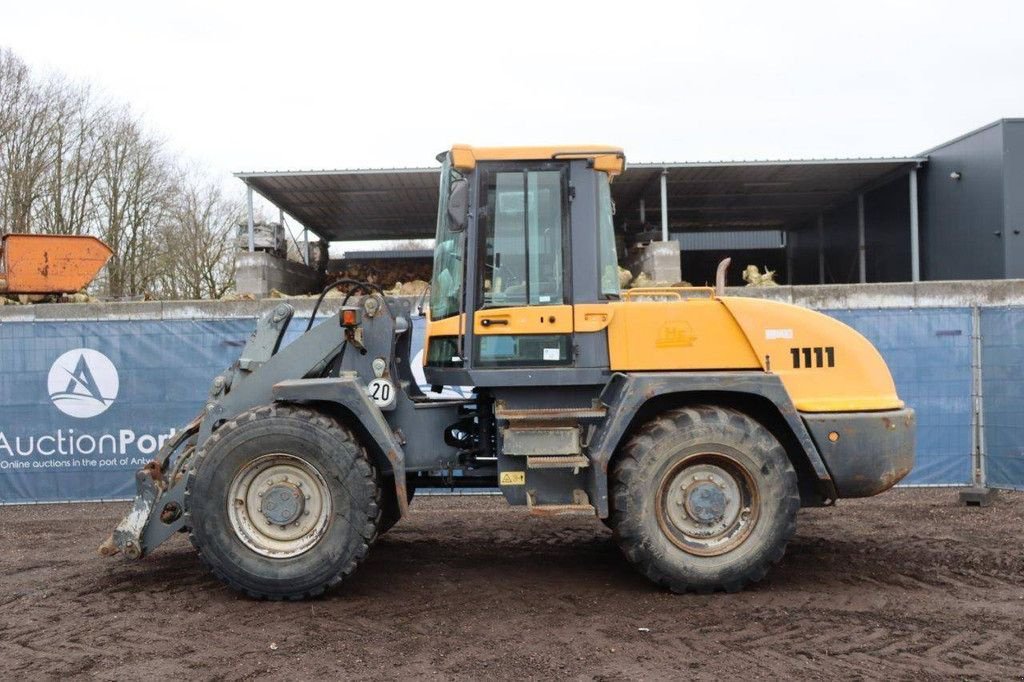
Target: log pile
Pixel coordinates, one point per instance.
(384, 272)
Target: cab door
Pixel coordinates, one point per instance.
(523, 316)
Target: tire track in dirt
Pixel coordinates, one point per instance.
(905, 585)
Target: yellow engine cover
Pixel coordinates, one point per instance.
(687, 334)
(825, 365)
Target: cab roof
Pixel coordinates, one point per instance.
(611, 160)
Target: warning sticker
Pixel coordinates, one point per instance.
(512, 478)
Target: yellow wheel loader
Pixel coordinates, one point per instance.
(694, 425)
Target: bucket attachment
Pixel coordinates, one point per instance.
(49, 264)
(158, 510)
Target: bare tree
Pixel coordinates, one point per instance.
(74, 168)
(26, 122)
(199, 255)
(14, 76)
(133, 195)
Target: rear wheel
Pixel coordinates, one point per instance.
(704, 498)
(283, 502)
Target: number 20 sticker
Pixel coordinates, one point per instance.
(381, 392)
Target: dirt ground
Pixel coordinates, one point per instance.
(905, 585)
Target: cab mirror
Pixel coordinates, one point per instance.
(458, 204)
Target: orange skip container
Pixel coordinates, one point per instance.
(49, 264)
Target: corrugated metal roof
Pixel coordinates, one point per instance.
(734, 195)
(401, 203)
(351, 205)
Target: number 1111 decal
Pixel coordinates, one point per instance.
(806, 358)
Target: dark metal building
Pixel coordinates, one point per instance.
(973, 205)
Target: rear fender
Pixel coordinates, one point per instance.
(626, 395)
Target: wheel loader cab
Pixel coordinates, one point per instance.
(531, 245)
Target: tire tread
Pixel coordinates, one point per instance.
(368, 478)
(627, 468)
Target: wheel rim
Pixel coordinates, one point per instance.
(707, 504)
(279, 505)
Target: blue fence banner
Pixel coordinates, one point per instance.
(1002, 391)
(85, 403)
(928, 351)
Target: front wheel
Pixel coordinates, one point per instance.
(704, 498)
(283, 502)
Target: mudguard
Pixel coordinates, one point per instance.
(348, 392)
(626, 394)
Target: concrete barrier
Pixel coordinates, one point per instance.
(819, 297)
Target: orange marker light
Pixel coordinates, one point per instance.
(349, 318)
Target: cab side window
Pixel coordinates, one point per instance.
(522, 237)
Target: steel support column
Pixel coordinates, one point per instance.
(664, 205)
(252, 235)
(821, 248)
(861, 242)
(915, 237)
(305, 241)
(979, 461)
(789, 255)
(643, 212)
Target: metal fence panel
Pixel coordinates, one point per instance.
(1002, 390)
(68, 433)
(85, 403)
(928, 351)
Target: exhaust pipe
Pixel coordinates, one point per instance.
(723, 268)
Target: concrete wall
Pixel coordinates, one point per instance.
(894, 295)
(259, 273)
(164, 310)
(829, 296)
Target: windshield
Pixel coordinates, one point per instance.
(446, 288)
(609, 263)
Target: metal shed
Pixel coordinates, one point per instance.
(673, 197)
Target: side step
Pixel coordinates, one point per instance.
(541, 441)
(549, 416)
(579, 505)
(557, 462)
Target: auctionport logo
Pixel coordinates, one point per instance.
(83, 383)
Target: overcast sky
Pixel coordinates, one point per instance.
(296, 85)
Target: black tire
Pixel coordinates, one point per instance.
(725, 450)
(350, 492)
(389, 515)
